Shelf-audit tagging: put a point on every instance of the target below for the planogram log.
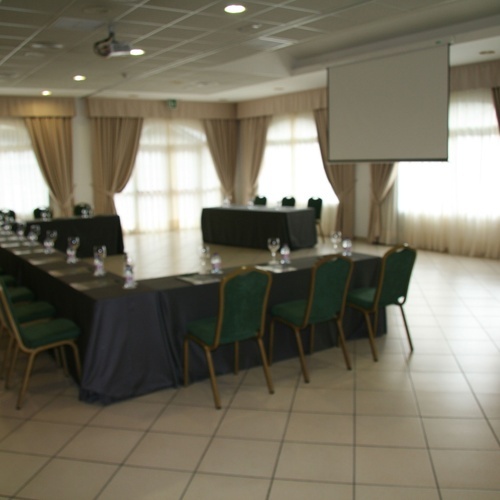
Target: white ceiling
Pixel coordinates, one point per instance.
(195, 51)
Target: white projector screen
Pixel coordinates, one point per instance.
(392, 108)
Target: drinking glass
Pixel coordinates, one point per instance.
(49, 241)
(33, 234)
(20, 227)
(100, 253)
(73, 244)
(336, 239)
(204, 259)
(274, 245)
(347, 247)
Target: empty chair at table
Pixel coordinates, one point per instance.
(317, 205)
(288, 201)
(260, 200)
(6, 214)
(391, 289)
(82, 209)
(44, 213)
(243, 297)
(330, 279)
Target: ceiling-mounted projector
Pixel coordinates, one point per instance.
(109, 47)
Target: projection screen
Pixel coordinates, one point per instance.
(391, 108)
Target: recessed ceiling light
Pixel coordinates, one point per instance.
(79, 78)
(46, 92)
(136, 52)
(47, 46)
(235, 9)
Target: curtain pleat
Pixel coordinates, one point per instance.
(115, 145)
(222, 138)
(53, 146)
(340, 176)
(383, 176)
(496, 101)
(253, 132)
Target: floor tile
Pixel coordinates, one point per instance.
(395, 493)
(258, 398)
(183, 419)
(16, 469)
(316, 462)
(394, 466)
(253, 424)
(133, 483)
(320, 428)
(391, 403)
(169, 451)
(445, 404)
(308, 399)
(298, 490)
(65, 409)
(62, 479)
(452, 494)
(241, 457)
(219, 487)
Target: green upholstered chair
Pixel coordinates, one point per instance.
(392, 289)
(243, 297)
(35, 337)
(82, 210)
(288, 201)
(317, 204)
(42, 213)
(17, 294)
(330, 278)
(260, 200)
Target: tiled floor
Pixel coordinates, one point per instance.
(425, 426)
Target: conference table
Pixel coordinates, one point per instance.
(251, 226)
(132, 339)
(95, 230)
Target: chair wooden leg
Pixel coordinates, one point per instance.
(9, 350)
(12, 365)
(343, 345)
(78, 365)
(267, 372)
(236, 358)
(271, 343)
(24, 386)
(211, 370)
(64, 361)
(186, 362)
(406, 328)
(371, 336)
(302, 358)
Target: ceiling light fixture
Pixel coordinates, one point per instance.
(79, 78)
(46, 92)
(235, 9)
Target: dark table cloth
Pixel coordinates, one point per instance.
(97, 230)
(131, 342)
(252, 226)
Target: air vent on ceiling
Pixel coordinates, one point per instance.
(79, 24)
(269, 43)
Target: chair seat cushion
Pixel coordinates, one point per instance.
(203, 329)
(41, 334)
(292, 312)
(20, 294)
(362, 297)
(33, 311)
(7, 279)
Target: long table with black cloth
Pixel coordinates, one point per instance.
(252, 226)
(131, 341)
(96, 230)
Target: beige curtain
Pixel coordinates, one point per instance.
(53, 146)
(115, 145)
(383, 176)
(222, 137)
(341, 177)
(496, 100)
(253, 132)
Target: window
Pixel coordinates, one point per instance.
(23, 187)
(292, 164)
(454, 205)
(173, 179)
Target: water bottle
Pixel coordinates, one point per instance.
(285, 254)
(216, 262)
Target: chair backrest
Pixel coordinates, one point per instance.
(395, 274)
(317, 204)
(243, 297)
(288, 201)
(82, 209)
(6, 214)
(330, 280)
(42, 213)
(260, 200)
